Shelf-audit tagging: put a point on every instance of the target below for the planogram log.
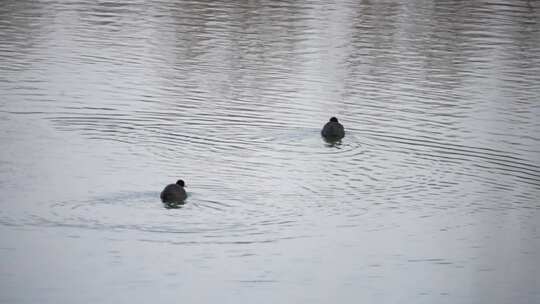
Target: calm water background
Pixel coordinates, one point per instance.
(432, 197)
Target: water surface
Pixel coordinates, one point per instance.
(433, 196)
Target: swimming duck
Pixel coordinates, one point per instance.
(333, 130)
(174, 193)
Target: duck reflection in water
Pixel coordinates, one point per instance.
(173, 205)
(174, 195)
(333, 131)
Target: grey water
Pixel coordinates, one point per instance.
(433, 196)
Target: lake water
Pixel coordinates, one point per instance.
(433, 196)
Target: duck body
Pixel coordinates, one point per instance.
(174, 193)
(333, 130)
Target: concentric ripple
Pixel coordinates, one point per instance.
(434, 189)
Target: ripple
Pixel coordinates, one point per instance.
(204, 220)
(103, 103)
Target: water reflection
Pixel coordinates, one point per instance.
(332, 143)
(105, 102)
(173, 205)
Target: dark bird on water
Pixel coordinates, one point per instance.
(174, 193)
(333, 130)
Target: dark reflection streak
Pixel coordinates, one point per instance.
(88, 108)
(460, 148)
(221, 204)
(513, 167)
(257, 281)
(191, 138)
(101, 118)
(120, 140)
(501, 166)
(23, 112)
(525, 179)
